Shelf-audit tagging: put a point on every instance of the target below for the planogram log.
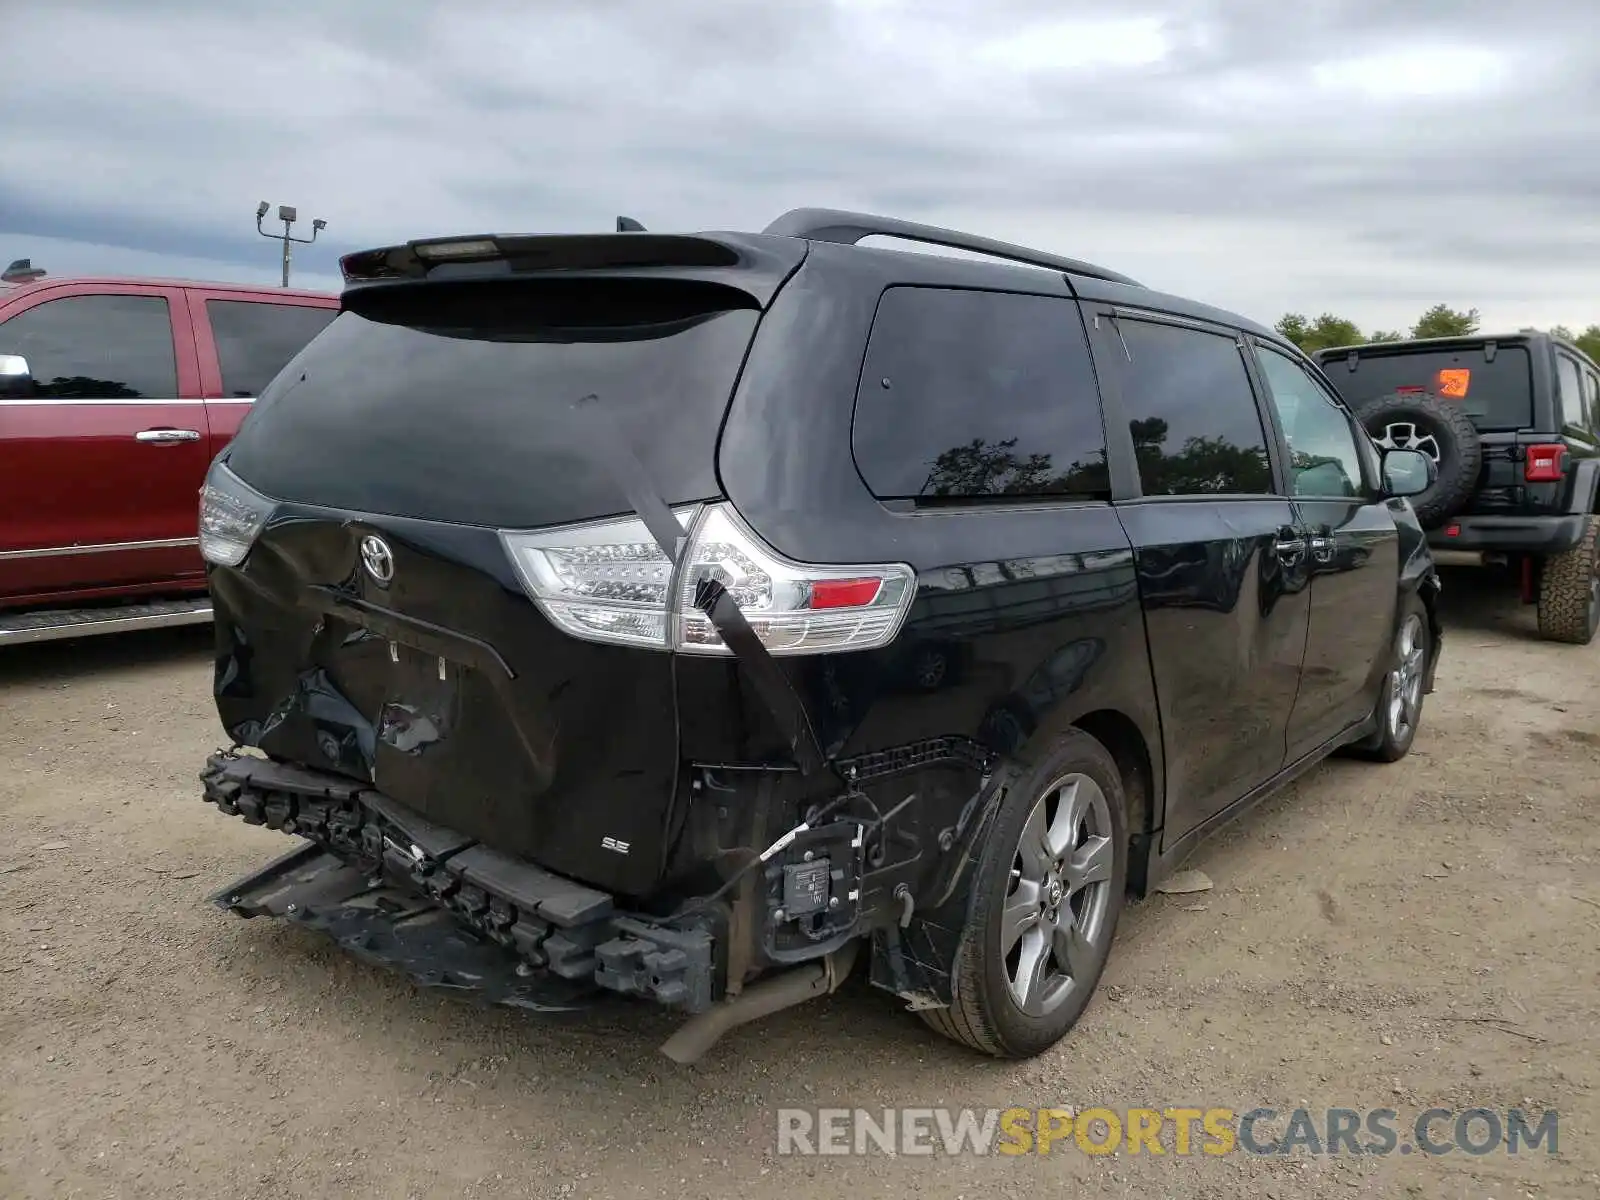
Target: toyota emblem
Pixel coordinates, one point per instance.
(377, 558)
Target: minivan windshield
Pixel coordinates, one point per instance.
(1496, 394)
(462, 412)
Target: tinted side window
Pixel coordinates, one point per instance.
(255, 340)
(1569, 402)
(978, 394)
(1323, 458)
(96, 347)
(1196, 429)
(1591, 401)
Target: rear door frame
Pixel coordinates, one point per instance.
(1343, 543)
(1184, 818)
(51, 568)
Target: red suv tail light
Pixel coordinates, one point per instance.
(1544, 463)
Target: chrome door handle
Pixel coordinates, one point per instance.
(1321, 548)
(166, 437)
(1290, 549)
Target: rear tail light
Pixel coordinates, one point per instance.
(610, 582)
(232, 515)
(794, 608)
(605, 582)
(1544, 463)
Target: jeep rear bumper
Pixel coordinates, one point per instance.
(1510, 534)
(397, 889)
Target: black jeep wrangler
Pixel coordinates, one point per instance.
(695, 617)
(1512, 423)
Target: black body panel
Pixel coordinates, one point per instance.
(1227, 619)
(534, 741)
(1034, 603)
(1352, 617)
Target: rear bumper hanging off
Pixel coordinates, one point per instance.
(394, 888)
(395, 928)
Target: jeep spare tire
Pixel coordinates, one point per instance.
(1439, 429)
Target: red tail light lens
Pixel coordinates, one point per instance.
(1544, 464)
(844, 593)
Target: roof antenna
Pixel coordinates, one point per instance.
(629, 225)
(21, 270)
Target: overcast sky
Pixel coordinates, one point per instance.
(1362, 157)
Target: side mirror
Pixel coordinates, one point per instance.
(1408, 472)
(16, 380)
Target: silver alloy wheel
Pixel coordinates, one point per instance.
(1054, 923)
(1407, 435)
(1405, 681)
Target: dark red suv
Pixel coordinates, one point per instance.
(115, 395)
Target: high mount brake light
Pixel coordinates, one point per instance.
(232, 515)
(1545, 463)
(456, 248)
(609, 581)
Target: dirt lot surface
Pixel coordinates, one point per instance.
(1377, 937)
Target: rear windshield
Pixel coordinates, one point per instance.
(454, 402)
(1495, 395)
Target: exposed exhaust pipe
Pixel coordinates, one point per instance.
(702, 1031)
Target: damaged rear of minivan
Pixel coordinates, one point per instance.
(551, 614)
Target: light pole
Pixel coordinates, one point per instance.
(288, 216)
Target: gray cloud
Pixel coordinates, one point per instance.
(1365, 157)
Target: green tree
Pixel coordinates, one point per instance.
(1589, 342)
(1387, 335)
(1443, 321)
(1561, 331)
(1327, 330)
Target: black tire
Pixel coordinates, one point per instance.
(1393, 738)
(1444, 433)
(1569, 591)
(984, 1013)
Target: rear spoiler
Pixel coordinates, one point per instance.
(753, 264)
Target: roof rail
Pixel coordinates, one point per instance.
(848, 228)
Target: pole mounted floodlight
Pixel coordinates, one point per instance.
(288, 215)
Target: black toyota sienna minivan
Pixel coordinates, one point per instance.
(701, 617)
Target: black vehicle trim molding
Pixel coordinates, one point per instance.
(100, 548)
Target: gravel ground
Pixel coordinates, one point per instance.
(1377, 937)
